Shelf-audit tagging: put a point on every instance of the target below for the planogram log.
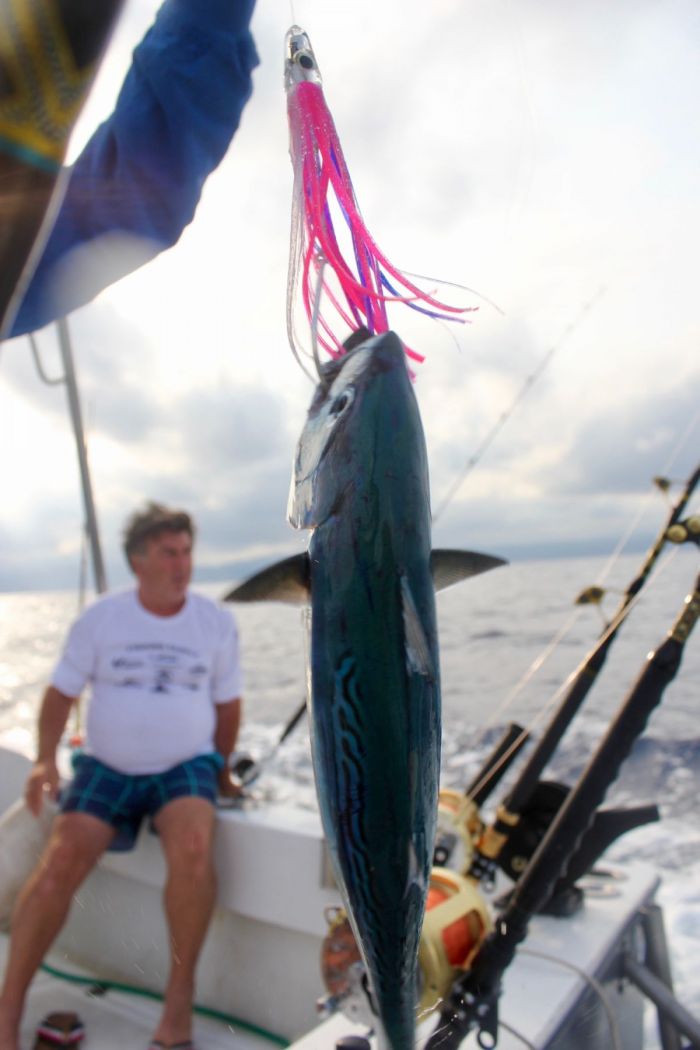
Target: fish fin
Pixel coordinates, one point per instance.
(453, 566)
(416, 875)
(418, 655)
(285, 581)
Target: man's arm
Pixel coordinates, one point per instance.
(55, 708)
(141, 174)
(228, 722)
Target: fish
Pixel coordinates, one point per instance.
(360, 484)
(336, 286)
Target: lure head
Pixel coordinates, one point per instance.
(299, 59)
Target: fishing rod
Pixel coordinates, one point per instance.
(248, 769)
(459, 823)
(44, 93)
(473, 1000)
(508, 816)
(497, 763)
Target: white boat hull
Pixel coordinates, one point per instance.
(260, 963)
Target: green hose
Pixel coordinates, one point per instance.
(130, 989)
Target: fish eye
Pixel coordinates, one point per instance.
(341, 402)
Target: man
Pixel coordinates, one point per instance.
(137, 183)
(161, 724)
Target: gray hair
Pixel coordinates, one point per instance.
(150, 522)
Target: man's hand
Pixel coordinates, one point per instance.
(42, 781)
(229, 786)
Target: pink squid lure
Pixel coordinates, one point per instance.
(364, 286)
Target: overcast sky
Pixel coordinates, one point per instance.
(543, 154)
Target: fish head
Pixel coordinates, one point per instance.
(363, 425)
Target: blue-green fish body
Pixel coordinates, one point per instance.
(375, 689)
(361, 485)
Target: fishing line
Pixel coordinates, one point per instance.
(318, 292)
(525, 388)
(635, 521)
(453, 284)
(594, 984)
(510, 698)
(534, 667)
(540, 660)
(501, 1024)
(518, 1035)
(616, 622)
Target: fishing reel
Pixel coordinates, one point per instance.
(343, 972)
(456, 922)
(459, 828)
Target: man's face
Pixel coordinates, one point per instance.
(164, 569)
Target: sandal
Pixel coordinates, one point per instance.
(59, 1029)
(155, 1044)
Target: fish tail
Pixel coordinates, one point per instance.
(398, 1032)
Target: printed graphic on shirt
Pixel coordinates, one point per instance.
(158, 667)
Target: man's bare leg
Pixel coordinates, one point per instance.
(186, 828)
(75, 845)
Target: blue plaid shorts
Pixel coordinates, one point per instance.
(123, 800)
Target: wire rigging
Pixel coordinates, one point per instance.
(525, 388)
(593, 984)
(542, 713)
(680, 445)
(559, 636)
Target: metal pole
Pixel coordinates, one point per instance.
(657, 961)
(662, 998)
(86, 484)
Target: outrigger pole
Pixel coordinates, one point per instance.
(473, 1000)
(508, 815)
(81, 448)
(49, 55)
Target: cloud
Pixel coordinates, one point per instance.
(107, 352)
(231, 428)
(535, 152)
(623, 448)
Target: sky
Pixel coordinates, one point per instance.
(544, 155)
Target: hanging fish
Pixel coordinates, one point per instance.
(360, 486)
(366, 284)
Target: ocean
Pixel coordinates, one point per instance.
(493, 631)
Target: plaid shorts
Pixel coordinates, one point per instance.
(123, 799)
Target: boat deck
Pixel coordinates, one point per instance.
(117, 1020)
(550, 1000)
(540, 992)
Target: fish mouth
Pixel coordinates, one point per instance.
(329, 370)
(345, 380)
(355, 392)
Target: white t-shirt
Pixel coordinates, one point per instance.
(155, 679)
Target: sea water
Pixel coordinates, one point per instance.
(494, 633)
